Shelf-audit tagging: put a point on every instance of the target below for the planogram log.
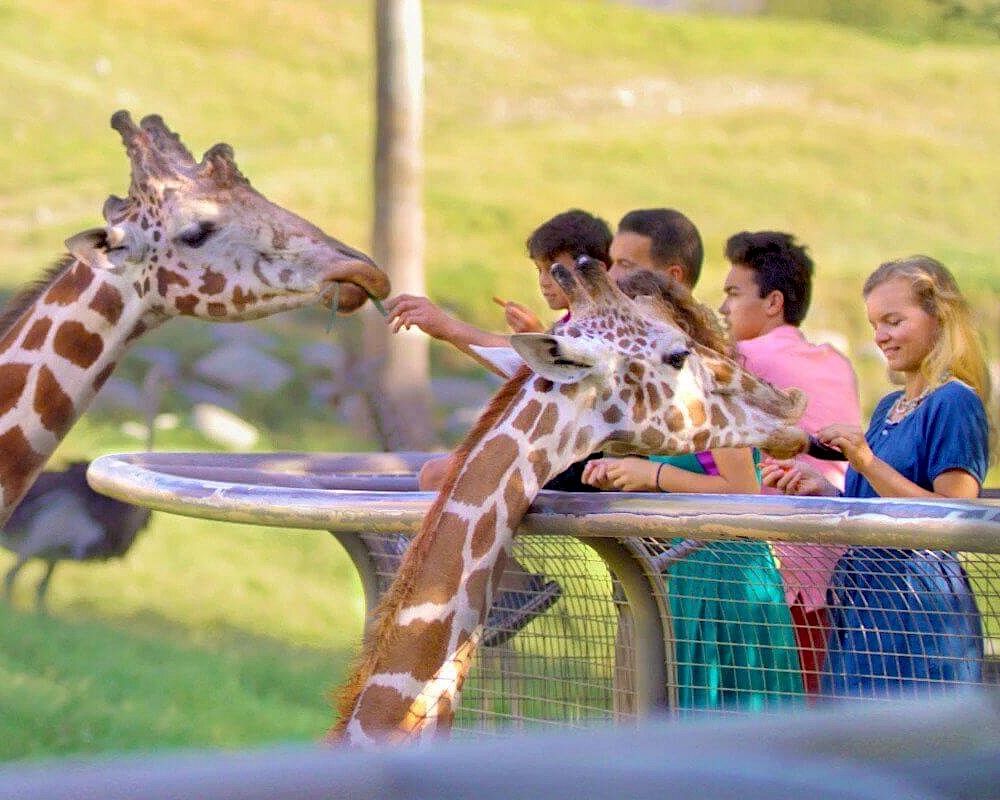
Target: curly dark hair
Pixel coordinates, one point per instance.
(780, 264)
(575, 232)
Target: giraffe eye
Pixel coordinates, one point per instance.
(677, 358)
(195, 234)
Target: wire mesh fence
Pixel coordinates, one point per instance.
(616, 606)
(748, 626)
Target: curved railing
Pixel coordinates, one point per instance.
(614, 646)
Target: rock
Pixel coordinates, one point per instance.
(244, 368)
(202, 393)
(223, 427)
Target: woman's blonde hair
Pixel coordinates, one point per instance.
(958, 351)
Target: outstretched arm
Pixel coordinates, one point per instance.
(736, 475)
(407, 310)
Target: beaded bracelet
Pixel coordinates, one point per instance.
(658, 476)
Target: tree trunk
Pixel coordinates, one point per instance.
(400, 398)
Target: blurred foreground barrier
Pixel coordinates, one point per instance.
(942, 748)
(663, 602)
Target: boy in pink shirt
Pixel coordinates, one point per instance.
(768, 290)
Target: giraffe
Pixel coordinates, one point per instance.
(613, 377)
(190, 239)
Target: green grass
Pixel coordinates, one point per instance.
(868, 139)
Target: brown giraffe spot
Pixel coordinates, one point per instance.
(585, 436)
(212, 282)
(166, 277)
(420, 647)
(574, 331)
(102, 376)
(542, 385)
(675, 420)
(636, 371)
(739, 417)
(13, 332)
(243, 299)
(186, 304)
(563, 440)
(77, 345)
(13, 379)
(526, 416)
(652, 438)
(380, 709)
(138, 288)
(543, 467)
(137, 331)
(285, 276)
(439, 583)
(668, 392)
(478, 480)
(605, 395)
(279, 239)
(696, 410)
(475, 591)
(654, 398)
(53, 406)
(746, 383)
(18, 460)
(108, 303)
(546, 423)
(68, 288)
(36, 334)
(569, 390)
(718, 418)
(146, 285)
(216, 309)
(612, 415)
(639, 408)
(700, 441)
(515, 499)
(484, 533)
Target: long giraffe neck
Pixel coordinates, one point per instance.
(53, 359)
(432, 623)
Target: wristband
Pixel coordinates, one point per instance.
(657, 480)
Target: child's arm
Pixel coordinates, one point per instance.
(736, 475)
(408, 310)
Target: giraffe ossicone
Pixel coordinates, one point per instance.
(190, 239)
(617, 376)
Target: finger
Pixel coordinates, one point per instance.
(499, 302)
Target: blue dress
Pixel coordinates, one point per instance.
(905, 621)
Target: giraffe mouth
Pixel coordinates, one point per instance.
(351, 282)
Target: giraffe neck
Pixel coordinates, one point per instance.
(53, 360)
(425, 650)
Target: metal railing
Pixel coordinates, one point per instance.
(663, 602)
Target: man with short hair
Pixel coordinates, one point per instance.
(661, 239)
(768, 291)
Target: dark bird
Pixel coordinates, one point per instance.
(62, 518)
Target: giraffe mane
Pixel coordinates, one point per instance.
(28, 294)
(378, 634)
(677, 305)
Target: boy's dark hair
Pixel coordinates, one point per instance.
(675, 239)
(779, 264)
(575, 232)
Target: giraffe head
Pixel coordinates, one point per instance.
(646, 386)
(197, 239)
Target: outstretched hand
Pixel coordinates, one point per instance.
(849, 440)
(621, 474)
(407, 310)
(791, 476)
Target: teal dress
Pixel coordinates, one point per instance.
(734, 641)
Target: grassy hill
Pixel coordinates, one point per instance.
(866, 146)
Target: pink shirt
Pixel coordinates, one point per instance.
(784, 358)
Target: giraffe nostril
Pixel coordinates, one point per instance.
(677, 358)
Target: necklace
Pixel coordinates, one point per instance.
(902, 406)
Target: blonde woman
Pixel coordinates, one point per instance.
(906, 620)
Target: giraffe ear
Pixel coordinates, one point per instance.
(91, 248)
(562, 359)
